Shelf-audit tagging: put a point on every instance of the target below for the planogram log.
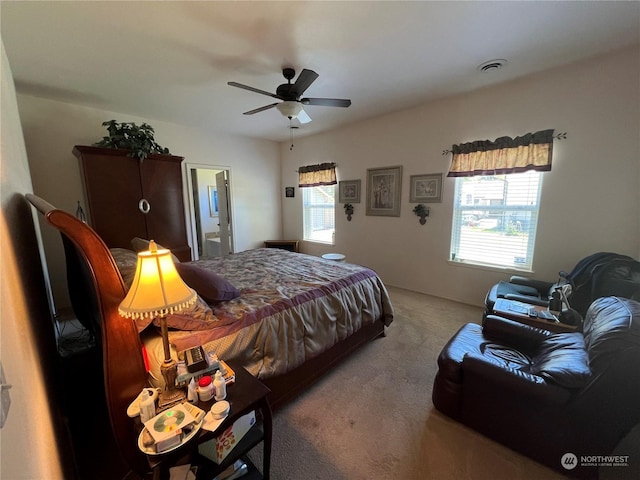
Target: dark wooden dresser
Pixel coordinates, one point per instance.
(129, 198)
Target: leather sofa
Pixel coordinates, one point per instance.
(546, 395)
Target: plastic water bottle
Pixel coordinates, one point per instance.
(219, 386)
(555, 303)
(192, 392)
(147, 407)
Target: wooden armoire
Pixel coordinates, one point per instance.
(128, 198)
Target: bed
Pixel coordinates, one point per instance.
(293, 319)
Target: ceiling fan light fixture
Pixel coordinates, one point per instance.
(289, 109)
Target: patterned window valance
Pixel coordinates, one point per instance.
(532, 151)
(314, 175)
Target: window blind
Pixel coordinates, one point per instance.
(495, 219)
(319, 213)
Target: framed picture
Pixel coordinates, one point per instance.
(425, 188)
(383, 191)
(349, 191)
(213, 201)
(289, 192)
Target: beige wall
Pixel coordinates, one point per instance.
(590, 200)
(52, 128)
(30, 441)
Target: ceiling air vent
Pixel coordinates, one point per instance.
(492, 65)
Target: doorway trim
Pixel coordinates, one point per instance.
(190, 203)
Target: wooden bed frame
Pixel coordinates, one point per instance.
(124, 370)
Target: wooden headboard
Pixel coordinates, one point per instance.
(124, 370)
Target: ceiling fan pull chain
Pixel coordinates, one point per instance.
(291, 133)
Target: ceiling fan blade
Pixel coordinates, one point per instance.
(326, 102)
(303, 117)
(257, 90)
(304, 81)
(261, 109)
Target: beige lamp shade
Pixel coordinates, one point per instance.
(157, 288)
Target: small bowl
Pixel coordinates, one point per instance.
(220, 409)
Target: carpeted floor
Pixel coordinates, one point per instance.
(372, 418)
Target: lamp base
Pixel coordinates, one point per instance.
(170, 394)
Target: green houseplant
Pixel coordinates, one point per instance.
(348, 210)
(422, 211)
(127, 135)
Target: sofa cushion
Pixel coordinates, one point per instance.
(470, 341)
(506, 288)
(562, 359)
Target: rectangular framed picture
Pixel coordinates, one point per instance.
(289, 192)
(425, 188)
(213, 201)
(383, 191)
(349, 191)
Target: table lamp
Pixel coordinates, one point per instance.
(156, 291)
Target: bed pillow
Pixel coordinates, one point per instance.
(126, 261)
(198, 316)
(141, 244)
(209, 285)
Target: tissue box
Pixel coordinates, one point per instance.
(169, 442)
(217, 449)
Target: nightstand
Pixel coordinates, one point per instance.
(290, 245)
(245, 395)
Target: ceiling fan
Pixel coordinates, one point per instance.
(290, 93)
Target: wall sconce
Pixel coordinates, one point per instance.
(348, 210)
(422, 211)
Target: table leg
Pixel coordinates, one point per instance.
(268, 429)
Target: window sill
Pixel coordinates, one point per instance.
(490, 268)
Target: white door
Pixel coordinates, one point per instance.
(222, 185)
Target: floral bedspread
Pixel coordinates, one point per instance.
(292, 307)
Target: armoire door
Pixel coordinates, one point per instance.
(113, 190)
(161, 181)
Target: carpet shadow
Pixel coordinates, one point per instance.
(450, 450)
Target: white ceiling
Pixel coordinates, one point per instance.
(171, 60)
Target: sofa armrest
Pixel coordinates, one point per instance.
(542, 286)
(510, 381)
(526, 299)
(513, 333)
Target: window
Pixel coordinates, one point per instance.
(495, 219)
(318, 210)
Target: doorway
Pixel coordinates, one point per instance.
(211, 213)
